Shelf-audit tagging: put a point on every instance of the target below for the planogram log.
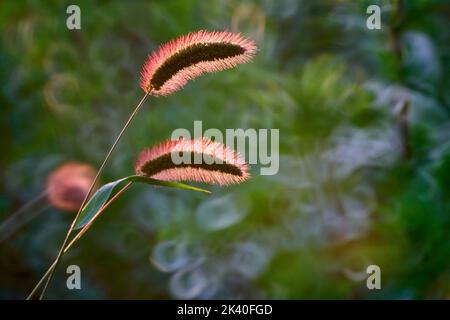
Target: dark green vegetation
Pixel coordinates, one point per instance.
(364, 119)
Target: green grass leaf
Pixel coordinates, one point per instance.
(106, 191)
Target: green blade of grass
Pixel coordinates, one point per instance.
(106, 191)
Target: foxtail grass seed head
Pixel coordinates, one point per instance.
(218, 164)
(175, 63)
(68, 184)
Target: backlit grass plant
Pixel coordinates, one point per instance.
(166, 71)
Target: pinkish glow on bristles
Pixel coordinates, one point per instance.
(182, 76)
(199, 175)
(216, 150)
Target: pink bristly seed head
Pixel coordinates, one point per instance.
(218, 164)
(175, 63)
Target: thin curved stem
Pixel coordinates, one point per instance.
(77, 237)
(105, 161)
(41, 281)
(21, 217)
(99, 212)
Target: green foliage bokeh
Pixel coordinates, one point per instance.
(364, 153)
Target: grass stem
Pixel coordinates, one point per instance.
(52, 268)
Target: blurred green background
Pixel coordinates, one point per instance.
(364, 119)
